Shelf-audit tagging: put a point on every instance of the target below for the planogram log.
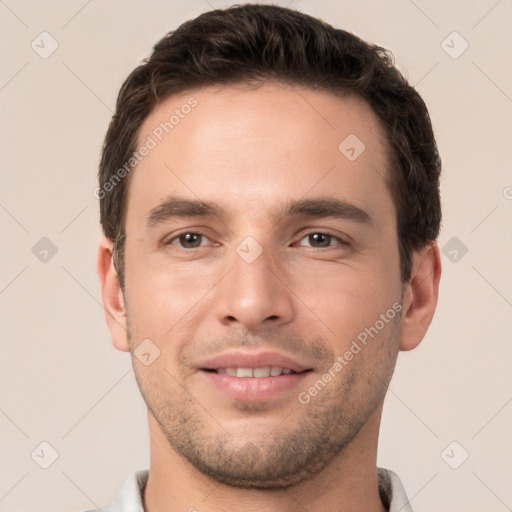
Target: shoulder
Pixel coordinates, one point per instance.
(392, 492)
(129, 498)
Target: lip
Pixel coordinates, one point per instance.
(253, 389)
(242, 359)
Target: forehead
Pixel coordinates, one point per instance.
(251, 147)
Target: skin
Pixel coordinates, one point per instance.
(251, 151)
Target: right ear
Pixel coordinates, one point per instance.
(112, 295)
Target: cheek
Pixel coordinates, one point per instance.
(158, 307)
(343, 301)
(166, 303)
(157, 287)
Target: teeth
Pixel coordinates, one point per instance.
(244, 372)
(265, 371)
(262, 372)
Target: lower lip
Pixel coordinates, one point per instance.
(254, 389)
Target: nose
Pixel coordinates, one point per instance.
(254, 294)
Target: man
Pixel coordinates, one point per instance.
(269, 193)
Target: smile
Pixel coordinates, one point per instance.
(265, 371)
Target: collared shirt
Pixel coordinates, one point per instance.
(391, 492)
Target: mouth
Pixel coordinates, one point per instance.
(253, 377)
(257, 373)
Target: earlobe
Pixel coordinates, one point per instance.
(420, 296)
(112, 296)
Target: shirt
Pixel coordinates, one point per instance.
(129, 499)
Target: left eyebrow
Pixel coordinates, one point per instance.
(319, 208)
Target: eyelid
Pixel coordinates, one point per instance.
(174, 237)
(343, 239)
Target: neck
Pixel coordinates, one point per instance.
(349, 482)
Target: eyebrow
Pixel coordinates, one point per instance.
(180, 207)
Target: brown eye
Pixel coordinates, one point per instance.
(188, 240)
(320, 240)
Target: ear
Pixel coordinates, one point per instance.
(420, 296)
(112, 296)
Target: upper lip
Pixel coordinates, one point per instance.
(243, 359)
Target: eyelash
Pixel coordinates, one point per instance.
(340, 240)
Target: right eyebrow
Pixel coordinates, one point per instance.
(174, 206)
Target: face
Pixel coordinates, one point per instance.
(262, 263)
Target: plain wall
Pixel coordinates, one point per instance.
(61, 380)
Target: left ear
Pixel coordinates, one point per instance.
(420, 296)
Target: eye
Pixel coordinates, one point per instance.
(190, 240)
(321, 240)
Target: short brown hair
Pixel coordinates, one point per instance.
(250, 44)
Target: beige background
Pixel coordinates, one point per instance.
(61, 380)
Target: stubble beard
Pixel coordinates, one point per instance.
(287, 455)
